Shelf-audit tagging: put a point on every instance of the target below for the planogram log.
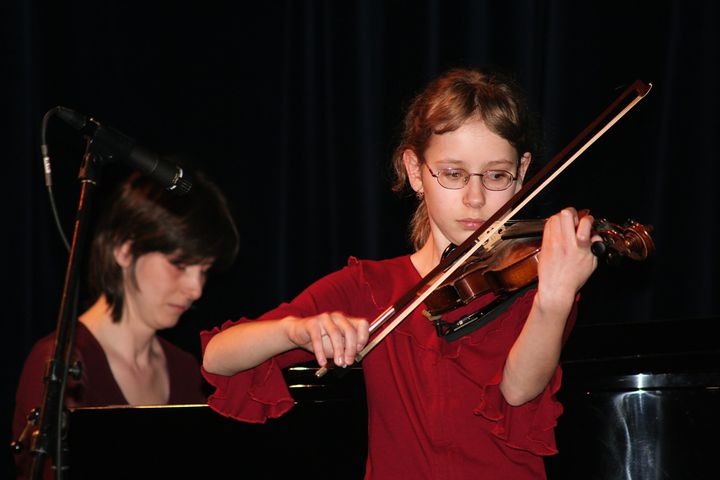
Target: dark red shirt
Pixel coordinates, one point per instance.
(97, 386)
(435, 408)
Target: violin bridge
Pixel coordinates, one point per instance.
(491, 236)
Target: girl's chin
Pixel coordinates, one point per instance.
(461, 237)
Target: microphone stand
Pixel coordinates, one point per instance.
(50, 437)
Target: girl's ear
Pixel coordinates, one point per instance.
(522, 169)
(122, 254)
(413, 170)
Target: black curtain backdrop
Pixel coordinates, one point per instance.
(294, 107)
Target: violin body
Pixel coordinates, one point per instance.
(512, 264)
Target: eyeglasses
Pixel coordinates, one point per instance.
(457, 178)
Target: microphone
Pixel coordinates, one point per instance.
(113, 145)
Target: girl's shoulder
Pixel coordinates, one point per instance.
(382, 269)
(384, 280)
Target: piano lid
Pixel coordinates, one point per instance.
(660, 347)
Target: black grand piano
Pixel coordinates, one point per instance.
(642, 402)
(323, 436)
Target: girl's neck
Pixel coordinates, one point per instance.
(427, 258)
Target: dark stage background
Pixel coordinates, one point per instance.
(294, 108)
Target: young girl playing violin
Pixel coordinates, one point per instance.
(482, 406)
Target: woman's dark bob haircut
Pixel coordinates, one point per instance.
(193, 228)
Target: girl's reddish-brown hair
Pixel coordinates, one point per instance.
(447, 103)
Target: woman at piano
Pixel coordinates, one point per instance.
(150, 255)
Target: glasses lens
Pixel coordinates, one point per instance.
(453, 178)
(497, 179)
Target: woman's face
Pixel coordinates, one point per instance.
(162, 290)
(455, 214)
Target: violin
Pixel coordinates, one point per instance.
(512, 263)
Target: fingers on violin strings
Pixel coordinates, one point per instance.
(554, 230)
(574, 228)
(584, 231)
(568, 222)
(574, 214)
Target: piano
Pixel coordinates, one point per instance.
(641, 402)
(323, 436)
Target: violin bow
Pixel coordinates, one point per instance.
(489, 232)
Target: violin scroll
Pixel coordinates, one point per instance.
(630, 240)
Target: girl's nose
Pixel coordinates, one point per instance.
(474, 192)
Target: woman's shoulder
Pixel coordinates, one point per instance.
(45, 346)
(36, 360)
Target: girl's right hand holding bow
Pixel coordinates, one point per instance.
(329, 335)
(248, 344)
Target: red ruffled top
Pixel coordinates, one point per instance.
(435, 408)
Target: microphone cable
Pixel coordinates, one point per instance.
(47, 169)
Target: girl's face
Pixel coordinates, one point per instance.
(455, 214)
(162, 290)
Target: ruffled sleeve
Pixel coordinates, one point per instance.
(530, 426)
(260, 393)
(253, 395)
(525, 427)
